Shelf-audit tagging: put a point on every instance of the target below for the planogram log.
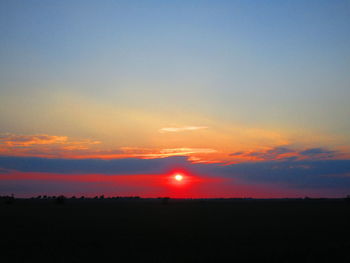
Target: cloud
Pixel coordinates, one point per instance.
(285, 153)
(42, 145)
(53, 146)
(280, 150)
(13, 140)
(319, 152)
(187, 151)
(181, 129)
(274, 153)
(163, 153)
(49, 146)
(236, 153)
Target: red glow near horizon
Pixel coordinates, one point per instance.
(144, 185)
(180, 183)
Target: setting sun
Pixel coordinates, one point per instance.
(178, 177)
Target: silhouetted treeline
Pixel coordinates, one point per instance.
(7, 199)
(61, 199)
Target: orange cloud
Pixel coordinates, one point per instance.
(53, 146)
(28, 140)
(181, 129)
(41, 145)
(162, 153)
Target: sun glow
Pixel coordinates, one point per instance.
(178, 177)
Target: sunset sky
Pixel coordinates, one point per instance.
(243, 98)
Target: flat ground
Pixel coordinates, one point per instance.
(180, 231)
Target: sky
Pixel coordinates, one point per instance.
(242, 98)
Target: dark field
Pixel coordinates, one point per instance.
(147, 230)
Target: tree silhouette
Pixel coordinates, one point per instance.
(165, 200)
(60, 199)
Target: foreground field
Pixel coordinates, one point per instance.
(149, 230)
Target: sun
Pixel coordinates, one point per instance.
(178, 177)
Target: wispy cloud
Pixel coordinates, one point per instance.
(28, 140)
(284, 153)
(318, 153)
(162, 153)
(41, 145)
(181, 129)
(185, 151)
